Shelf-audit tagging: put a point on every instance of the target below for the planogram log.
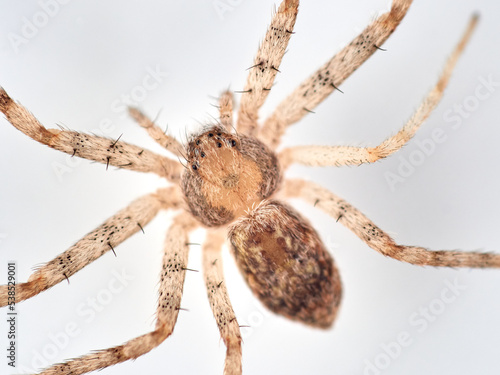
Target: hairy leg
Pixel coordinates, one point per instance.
(226, 110)
(326, 79)
(219, 301)
(377, 239)
(265, 66)
(347, 155)
(103, 150)
(170, 293)
(169, 143)
(106, 237)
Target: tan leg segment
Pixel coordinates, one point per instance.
(266, 65)
(219, 301)
(226, 110)
(169, 302)
(378, 240)
(91, 147)
(106, 237)
(169, 143)
(326, 79)
(346, 155)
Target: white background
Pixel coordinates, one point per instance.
(92, 52)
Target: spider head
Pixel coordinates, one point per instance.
(227, 174)
(214, 156)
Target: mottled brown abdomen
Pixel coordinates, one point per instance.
(286, 265)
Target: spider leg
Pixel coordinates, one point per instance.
(169, 143)
(103, 150)
(104, 238)
(226, 110)
(347, 155)
(328, 78)
(170, 293)
(378, 240)
(265, 66)
(219, 301)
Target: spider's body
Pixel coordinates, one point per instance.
(227, 175)
(234, 185)
(280, 255)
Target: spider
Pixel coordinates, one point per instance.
(214, 158)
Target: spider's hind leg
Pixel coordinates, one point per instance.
(376, 238)
(170, 292)
(219, 301)
(104, 238)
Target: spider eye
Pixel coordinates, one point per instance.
(194, 167)
(210, 134)
(233, 143)
(219, 134)
(202, 154)
(219, 144)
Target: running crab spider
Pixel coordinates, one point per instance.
(261, 164)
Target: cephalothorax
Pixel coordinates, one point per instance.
(233, 183)
(227, 175)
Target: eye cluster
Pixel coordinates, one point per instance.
(208, 143)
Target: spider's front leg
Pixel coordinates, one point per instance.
(327, 78)
(167, 142)
(348, 155)
(377, 239)
(226, 110)
(170, 292)
(105, 238)
(91, 147)
(265, 66)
